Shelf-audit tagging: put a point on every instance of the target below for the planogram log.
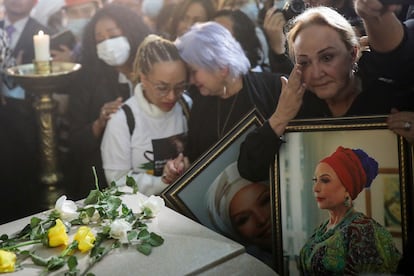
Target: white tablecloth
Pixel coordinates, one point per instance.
(189, 248)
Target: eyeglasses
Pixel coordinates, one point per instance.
(164, 89)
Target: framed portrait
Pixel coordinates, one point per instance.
(309, 141)
(212, 193)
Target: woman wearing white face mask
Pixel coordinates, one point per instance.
(109, 44)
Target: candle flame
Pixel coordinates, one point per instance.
(41, 33)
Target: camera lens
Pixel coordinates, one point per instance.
(297, 6)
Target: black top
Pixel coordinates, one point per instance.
(89, 94)
(25, 42)
(386, 84)
(209, 114)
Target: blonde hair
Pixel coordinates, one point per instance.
(323, 16)
(152, 50)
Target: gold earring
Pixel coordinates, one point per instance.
(224, 90)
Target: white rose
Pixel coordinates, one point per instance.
(94, 219)
(155, 203)
(119, 230)
(66, 208)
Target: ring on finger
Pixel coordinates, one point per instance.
(407, 125)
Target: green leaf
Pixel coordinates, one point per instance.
(97, 251)
(130, 182)
(114, 203)
(112, 185)
(125, 210)
(54, 215)
(132, 235)
(37, 260)
(35, 221)
(72, 263)
(93, 197)
(4, 237)
(55, 263)
(147, 212)
(76, 222)
(145, 248)
(155, 240)
(90, 211)
(144, 235)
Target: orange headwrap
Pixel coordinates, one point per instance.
(347, 165)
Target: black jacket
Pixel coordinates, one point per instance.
(25, 42)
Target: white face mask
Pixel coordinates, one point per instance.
(114, 51)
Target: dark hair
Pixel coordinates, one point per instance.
(181, 9)
(244, 31)
(132, 26)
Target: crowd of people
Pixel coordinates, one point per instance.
(163, 81)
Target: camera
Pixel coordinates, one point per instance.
(292, 8)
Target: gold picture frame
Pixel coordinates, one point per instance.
(308, 141)
(190, 195)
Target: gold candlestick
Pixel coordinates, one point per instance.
(42, 67)
(43, 79)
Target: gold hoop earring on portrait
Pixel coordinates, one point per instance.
(347, 202)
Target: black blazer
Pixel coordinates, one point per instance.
(25, 41)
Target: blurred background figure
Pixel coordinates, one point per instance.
(49, 13)
(251, 9)
(345, 8)
(1, 10)
(20, 151)
(20, 28)
(243, 30)
(188, 13)
(133, 5)
(150, 10)
(109, 44)
(76, 15)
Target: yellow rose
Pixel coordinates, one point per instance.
(85, 239)
(57, 235)
(7, 261)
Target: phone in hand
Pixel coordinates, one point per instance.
(66, 38)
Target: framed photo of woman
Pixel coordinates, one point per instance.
(213, 193)
(307, 142)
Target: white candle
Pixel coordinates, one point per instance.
(41, 46)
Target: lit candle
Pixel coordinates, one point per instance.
(41, 46)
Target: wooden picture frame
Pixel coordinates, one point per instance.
(198, 189)
(307, 142)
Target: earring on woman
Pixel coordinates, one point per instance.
(355, 68)
(224, 90)
(347, 202)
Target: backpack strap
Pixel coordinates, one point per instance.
(129, 117)
(185, 107)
